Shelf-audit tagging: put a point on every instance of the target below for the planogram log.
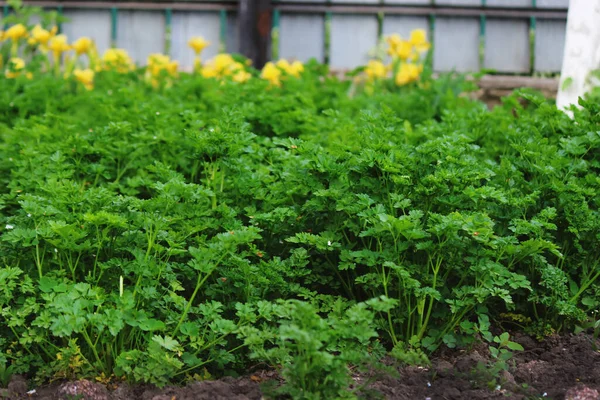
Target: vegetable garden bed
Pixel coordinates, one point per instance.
(161, 228)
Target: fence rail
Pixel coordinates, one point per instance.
(508, 36)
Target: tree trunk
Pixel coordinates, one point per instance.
(254, 22)
(582, 50)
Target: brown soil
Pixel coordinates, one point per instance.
(565, 367)
(560, 368)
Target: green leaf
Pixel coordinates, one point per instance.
(514, 346)
(151, 325)
(166, 342)
(566, 84)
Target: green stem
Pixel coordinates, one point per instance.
(389, 312)
(199, 284)
(436, 270)
(38, 261)
(94, 351)
(585, 286)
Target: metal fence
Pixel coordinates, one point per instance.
(508, 36)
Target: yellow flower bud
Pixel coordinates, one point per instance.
(86, 77)
(376, 70)
(198, 44)
(82, 45)
(14, 67)
(271, 73)
(58, 45)
(293, 69)
(16, 32)
(241, 76)
(418, 39)
(40, 35)
(408, 73)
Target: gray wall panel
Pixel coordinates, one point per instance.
(476, 3)
(507, 45)
(141, 33)
(509, 3)
(553, 3)
(408, 2)
(456, 44)
(352, 37)
(356, 1)
(302, 37)
(549, 45)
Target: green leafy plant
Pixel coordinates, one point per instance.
(501, 351)
(317, 355)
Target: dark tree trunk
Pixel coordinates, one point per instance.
(254, 22)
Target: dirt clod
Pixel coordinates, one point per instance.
(468, 362)
(444, 369)
(581, 392)
(87, 390)
(17, 386)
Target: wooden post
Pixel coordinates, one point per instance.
(254, 21)
(582, 50)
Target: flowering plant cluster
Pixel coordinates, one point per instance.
(69, 59)
(406, 63)
(59, 55)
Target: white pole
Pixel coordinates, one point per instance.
(582, 50)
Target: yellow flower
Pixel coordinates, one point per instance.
(294, 69)
(271, 73)
(283, 64)
(241, 76)
(118, 60)
(85, 76)
(1, 36)
(404, 51)
(418, 39)
(209, 72)
(222, 63)
(157, 64)
(236, 66)
(408, 73)
(82, 45)
(40, 35)
(14, 68)
(376, 70)
(198, 44)
(172, 68)
(220, 66)
(393, 42)
(58, 45)
(161, 62)
(16, 32)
